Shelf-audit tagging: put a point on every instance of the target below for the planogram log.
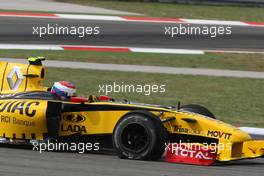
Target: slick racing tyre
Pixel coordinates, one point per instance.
(198, 109)
(140, 136)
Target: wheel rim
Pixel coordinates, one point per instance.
(135, 138)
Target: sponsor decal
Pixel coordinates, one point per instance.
(193, 154)
(219, 134)
(15, 121)
(15, 73)
(23, 122)
(73, 128)
(5, 119)
(21, 107)
(180, 129)
(75, 118)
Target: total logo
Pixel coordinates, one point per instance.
(193, 154)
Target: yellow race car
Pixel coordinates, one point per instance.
(28, 111)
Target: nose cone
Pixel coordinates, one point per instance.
(239, 135)
(227, 132)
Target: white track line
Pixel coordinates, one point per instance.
(91, 17)
(118, 49)
(254, 131)
(215, 22)
(30, 47)
(129, 19)
(166, 51)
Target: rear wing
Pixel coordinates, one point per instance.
(16, 77)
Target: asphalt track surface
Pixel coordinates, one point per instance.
(48, 5)
(131, 34)
(15, 161)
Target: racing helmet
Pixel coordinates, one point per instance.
(63, 90)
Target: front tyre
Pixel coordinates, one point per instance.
(140, 136)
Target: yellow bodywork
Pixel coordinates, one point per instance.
(232, 143)
(17, 77)
(23, 119)
(26, 118)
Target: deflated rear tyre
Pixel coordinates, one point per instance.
(140, 136)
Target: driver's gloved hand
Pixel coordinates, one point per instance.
(93, 98)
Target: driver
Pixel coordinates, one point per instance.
(66, 91)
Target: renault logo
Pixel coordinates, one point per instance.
(15, 74)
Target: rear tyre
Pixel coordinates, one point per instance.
(198, 109)
(140, 136)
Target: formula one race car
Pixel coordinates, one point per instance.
(29, 112)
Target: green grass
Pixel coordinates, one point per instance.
(180, 10)
(233, 100)
(249, 62)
